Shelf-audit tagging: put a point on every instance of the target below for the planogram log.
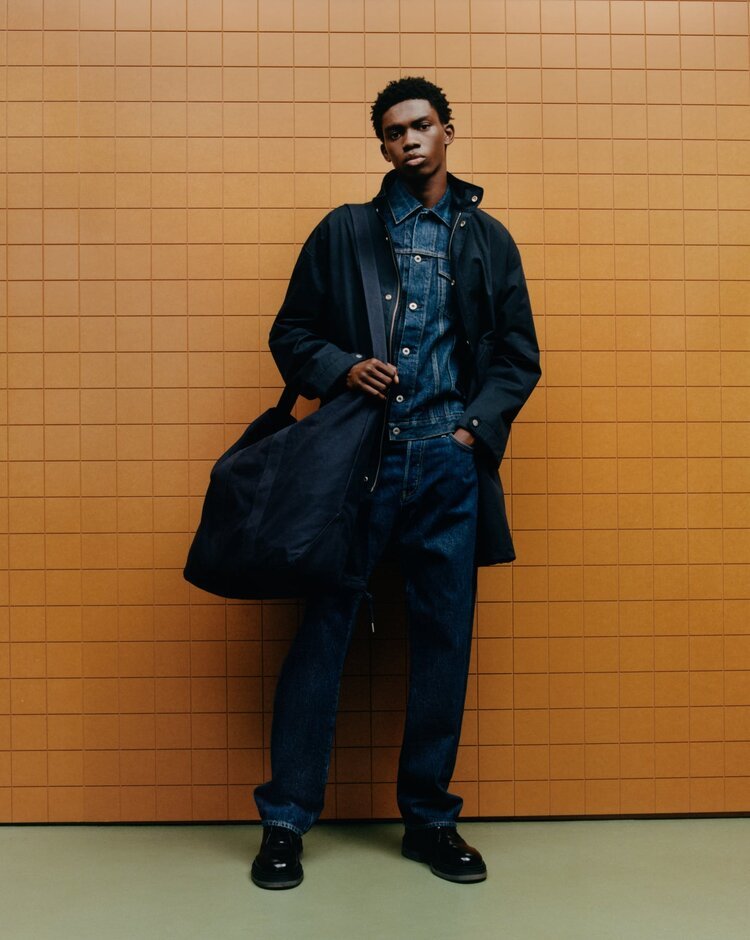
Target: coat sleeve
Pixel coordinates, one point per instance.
(513, 369)
(308, 361)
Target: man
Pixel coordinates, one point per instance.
(462, 360)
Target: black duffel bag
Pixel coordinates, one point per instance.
(279, 513)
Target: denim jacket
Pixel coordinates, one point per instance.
(428, 400)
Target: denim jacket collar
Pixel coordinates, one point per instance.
(464, 196)
(403, 203)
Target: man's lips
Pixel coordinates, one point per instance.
(413, 159)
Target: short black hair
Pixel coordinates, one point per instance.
(405, 89)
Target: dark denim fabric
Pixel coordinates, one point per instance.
(428, 399)
(426, 501)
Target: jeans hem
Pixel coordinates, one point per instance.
(439, 824)
(283, 825)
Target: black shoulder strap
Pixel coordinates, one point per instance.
(361, 214)
(287, 400)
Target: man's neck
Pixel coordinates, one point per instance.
(432, 189)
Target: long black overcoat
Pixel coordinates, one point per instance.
(322, 329)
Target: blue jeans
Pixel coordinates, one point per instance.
(426, 499)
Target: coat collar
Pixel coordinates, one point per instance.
(464, 196)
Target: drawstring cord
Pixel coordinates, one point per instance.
(370, 607)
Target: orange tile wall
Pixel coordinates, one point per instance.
(165, 160)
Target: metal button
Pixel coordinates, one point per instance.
(417, 258)
(462, 223)
(357, 355)
(406, 350)
(389, 296)
(453, 282)
(412, 306)
(397, 430)
(474, 198)
(475, 422)
(399, 398)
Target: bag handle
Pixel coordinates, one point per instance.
(361, 216)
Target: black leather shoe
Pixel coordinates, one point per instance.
(277, 865)
(446, 853)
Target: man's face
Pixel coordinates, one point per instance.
(414, 139)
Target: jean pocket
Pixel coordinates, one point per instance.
(460, 444)
(444, 269)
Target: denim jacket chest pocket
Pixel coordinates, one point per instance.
(446, 283)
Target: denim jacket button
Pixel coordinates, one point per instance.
(389, 296)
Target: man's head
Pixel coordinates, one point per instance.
(411, 116)
(404, 89)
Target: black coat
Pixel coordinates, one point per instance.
(321, 330)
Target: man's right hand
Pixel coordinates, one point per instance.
(372, 377)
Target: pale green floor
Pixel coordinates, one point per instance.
(602, 879)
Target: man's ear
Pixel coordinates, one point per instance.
(449, 132)
(384, 151)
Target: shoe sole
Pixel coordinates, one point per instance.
(276, 885)
(468, 878)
